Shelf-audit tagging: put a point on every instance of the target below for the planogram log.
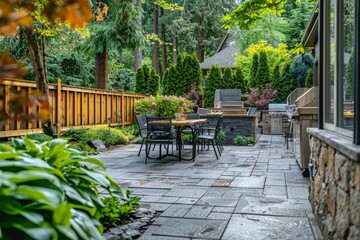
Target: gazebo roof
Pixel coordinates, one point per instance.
(225, 57)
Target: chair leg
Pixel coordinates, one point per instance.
(218, 147)
(142, 143)
(213, 144)
(147, 150)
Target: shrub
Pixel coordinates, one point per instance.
(109, 136)
(39, 137)
(48, 191)
(117, 211)
(164, 106)
(75, 134)
(250, 140)
(261, 99)
(239, 140)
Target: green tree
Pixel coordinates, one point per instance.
(172, 82)
(198, 28)
(273, 35)
(239, 81)
(250, 11)
(263, 72)
(254, 70)
(309, 78)
(115, 28)
(227, 79)
(212, 82)
(297, 21)
(153, 83)
(140, 85)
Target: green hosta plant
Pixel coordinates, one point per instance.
(49, 191)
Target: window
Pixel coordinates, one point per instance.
(339, 65)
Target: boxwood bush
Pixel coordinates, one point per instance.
(109, 136)
(49, 191)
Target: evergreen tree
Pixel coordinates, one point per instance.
(286, 84)
(178, 75)
(276, 76)
(253, 70)
(146, 71)
(213, 82)
(349, 78)
(172, 81)
(196, 73)
(239, 81)
(309, 78)
(165, 82)
(227, 79)
(263, 73)
(299, 68)
(153, 83)
(187, 75)
(140, 81)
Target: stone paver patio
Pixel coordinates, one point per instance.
(253, 192)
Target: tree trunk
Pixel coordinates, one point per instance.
(174, 48)
(138, 52)
(41, 80)
(163, 46)
(200, 52)
(101, 69)
(155, 56)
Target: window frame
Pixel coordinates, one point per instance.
(324, 69)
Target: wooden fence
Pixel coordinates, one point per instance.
(71, 107)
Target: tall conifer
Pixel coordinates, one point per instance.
(213, 82)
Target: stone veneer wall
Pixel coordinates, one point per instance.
(335, 192)
(238, 124)
(266, 122)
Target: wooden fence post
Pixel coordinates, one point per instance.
(122, 109)
(58, 106)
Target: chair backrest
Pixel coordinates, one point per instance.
(141, 122)
(193, 116)
(213, 120)
(159, 126)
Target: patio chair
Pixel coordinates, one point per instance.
(210, 133)
(141, 122)
(159, 131)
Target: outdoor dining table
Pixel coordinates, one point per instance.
(184, 124)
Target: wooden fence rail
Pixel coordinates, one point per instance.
(71, 107)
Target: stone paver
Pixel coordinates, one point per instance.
(254, 192)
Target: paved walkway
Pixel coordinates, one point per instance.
(254, 192)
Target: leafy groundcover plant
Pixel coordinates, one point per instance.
(239, 140)
(49, 191)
